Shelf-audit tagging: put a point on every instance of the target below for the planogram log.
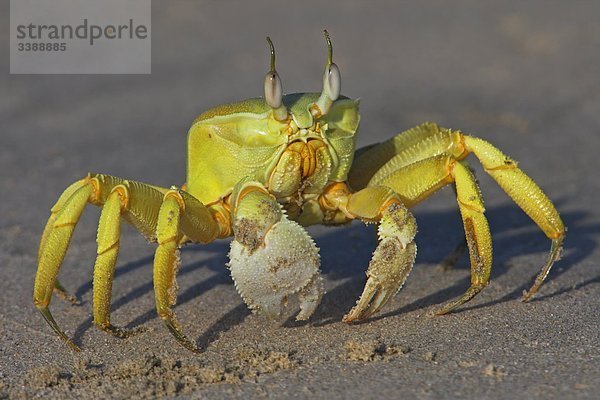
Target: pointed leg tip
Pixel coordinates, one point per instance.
(352, 317)
(45, 311)
(74, 346)
(449, 307)
(441, 311)
(554, 255)
(119, 332)
(527, 296)
(181, 338)
(467, 296)
(190, 346)
(445, 309)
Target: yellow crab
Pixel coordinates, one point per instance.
(259, 170)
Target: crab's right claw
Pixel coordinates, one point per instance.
(273, 258)
(286, 264)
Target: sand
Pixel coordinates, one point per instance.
(523, 76)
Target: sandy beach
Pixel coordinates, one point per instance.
(522, 75)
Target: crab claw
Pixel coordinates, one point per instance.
(391, 263)
(284, 265)
(386, 275)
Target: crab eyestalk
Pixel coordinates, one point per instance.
(274, 90)
(332, 83)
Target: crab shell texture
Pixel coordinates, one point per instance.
(244, 141)
(239, 140)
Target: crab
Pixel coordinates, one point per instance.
(260, 170)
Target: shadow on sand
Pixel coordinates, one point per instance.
(439, 232)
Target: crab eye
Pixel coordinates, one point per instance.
(273, 90)
(333, 81)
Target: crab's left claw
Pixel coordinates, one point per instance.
(271, 257)
(387, 273)
(394, 256)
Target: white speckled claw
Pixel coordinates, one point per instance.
(286, 264)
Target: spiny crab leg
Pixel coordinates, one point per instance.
(272, 258)
(180, 214)
(53, 247)
(118, 198)
(158, 213)
(418, 162)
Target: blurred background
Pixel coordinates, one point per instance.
(523, 75)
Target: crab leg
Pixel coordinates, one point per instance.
(272, 258)
(376, 162)
(422, 160)
(180, 214)
(477, 233)
(58, 287)
(109, 233)
(95, 189)
(55, 240)
(66, 195)
(436, 172)
(394, 256)
(523, 190)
